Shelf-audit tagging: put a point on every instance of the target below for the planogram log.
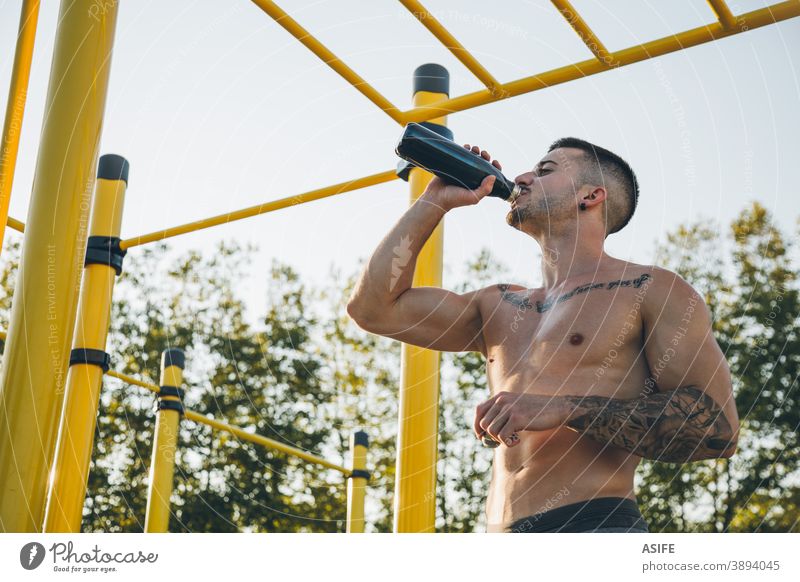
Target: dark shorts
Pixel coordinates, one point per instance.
(611, 514)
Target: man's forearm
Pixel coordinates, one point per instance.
(676, 426)
(390, 270)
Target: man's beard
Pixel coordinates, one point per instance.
(516, 216)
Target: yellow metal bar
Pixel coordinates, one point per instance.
(262, 208)
(241, 433)
(134, 381)
(15, 107)
(655, 48)
(438, 30)
(579, 25)
(330, 59)
(45, 297)
(264, 441)
(15, 224)
(70, 472)
(357, 483)
(418, 426)
(723, 13)
(165, 444)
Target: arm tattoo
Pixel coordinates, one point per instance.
(521, 300)
(676, 426)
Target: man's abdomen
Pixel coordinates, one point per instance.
(553, 468)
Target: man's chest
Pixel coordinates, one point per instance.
(592, 329)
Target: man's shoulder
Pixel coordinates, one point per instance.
(667, 290)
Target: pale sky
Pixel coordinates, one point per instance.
(218, 108)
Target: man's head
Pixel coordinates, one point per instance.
(575, 171)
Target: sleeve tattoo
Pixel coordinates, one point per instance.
(676, 426)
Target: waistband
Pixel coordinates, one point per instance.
(583, 516)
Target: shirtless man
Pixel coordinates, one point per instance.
(607, 363)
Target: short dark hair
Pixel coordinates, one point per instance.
(605, 164)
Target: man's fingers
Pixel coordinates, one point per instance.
(489, 417)
(496, 426)
(480, 410)
(497, 165)
(508, 434)
(488, 184)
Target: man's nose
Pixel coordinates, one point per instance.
(525, 179)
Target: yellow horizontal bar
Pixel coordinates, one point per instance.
(330, 59)
(244, 435)
(723, 13)
(134, 381)
(262, 208)
(17, 225)
(579, 25)
(655, 48)
(264, 441)
(449, 41)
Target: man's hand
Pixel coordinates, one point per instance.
(507, 413)
(448, 196)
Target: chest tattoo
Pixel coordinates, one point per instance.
(522, 299)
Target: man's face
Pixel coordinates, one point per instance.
(549, 191)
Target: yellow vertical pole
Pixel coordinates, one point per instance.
(357, 482)
(88, 359)
(417, 439)
(46, 294)
(15, 106)
(165, 442)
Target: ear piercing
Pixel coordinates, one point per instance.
(583, 205)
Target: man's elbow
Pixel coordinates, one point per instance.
(356, 312)
(721, 447)
(364, 316)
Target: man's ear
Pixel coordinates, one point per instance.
(595, 195)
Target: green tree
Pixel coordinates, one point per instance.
(752, 294)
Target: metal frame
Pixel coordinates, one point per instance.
(25, 395)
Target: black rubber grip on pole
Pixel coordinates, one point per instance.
(432, 78)
(359, 473)
(171, 391)
(361, 438)
(105, 250)
(173, 357)
(169, 405)
(90, 357)
(113, 167)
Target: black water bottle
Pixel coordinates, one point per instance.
(453, 163)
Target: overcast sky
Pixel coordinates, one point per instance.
(217, 108)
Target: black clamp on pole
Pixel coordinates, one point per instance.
(170, 391)
(105, 250)
(91, 357)
(359, 473)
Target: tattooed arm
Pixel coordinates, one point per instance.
(693, 416)
(676, 426)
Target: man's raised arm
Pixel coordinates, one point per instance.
(384, 302)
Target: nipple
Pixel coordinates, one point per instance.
(575, 339)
